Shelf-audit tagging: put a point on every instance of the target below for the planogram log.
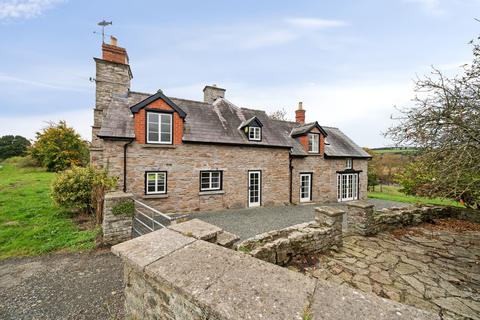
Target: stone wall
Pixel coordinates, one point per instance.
(116, 227)
(324, 177)
(183, 164)
(111, 77)
(280, 246)
(364, 220)
(169, 275)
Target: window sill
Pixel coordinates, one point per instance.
(314, 154)
(213, 192)
(158, 145)
(155, 196)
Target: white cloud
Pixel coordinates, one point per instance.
(315, 23)
(11, 9)
(432, 7)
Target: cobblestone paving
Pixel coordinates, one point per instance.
(434, 270)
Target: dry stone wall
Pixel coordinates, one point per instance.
(117, 227)
(280, 246)
(362, 219)
(169, 275)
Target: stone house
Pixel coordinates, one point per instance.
(183, 156)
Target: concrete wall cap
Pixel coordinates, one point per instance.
(330, 211)
(359, 204)
(118, 194)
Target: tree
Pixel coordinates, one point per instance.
(11, 146)
(59, 147)
(372, 177)
(279, 115)
(445, 124)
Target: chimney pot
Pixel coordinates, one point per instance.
(113, 41)
(300, 105)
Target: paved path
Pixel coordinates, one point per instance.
(437, 271)
(62, 286)
(247, 223)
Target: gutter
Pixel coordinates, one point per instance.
(125, 146)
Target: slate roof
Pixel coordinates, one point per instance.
(220, 123)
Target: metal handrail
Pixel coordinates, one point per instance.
(154, 210)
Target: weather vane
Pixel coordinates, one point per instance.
(103, 24)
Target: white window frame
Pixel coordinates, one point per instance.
(349, 163)
(254, 133)
(159, 128)
(157, 174)
(313, 143)
(310, 185)
(209, 174)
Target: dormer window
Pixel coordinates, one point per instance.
(313, 143)
(254, 133)
(159, 127)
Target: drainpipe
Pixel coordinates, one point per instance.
(125, 146)
(291, 177)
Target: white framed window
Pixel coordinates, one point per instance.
(254, 133)
(313, 143)
(347, 186)
(159, 127)
(155, 182)
(349, 163)
(211, 180)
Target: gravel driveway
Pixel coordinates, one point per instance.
(247, 223)
(85, 285)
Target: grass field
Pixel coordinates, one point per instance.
(393, 193)
(30, 224)
(405, 151)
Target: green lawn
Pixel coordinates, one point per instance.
(393, 193)
(30, 224)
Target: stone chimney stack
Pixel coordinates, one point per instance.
(212, 93)
(300, 113)
(113, 76)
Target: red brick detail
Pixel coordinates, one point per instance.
(304, 141)
(300, 116)
(114, 53)
(140, 122)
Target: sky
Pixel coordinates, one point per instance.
(349, 62)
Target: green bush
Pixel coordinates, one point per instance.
(11, 146)
(124, 208)
(59, 147)
(81, 188)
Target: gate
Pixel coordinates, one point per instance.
(148, 219)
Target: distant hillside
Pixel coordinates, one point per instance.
(396, 150)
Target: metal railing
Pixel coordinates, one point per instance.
(148, 219)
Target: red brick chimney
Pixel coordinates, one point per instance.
(300, 114)
(112, 52)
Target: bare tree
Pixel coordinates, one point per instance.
(279, 115)
(445, 125)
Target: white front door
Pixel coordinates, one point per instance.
(305, 187)
(254, 188)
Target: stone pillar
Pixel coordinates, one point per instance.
(118, 211)
(360, 217)
(331, 217)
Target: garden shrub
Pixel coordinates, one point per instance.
(126, 208)
(82, 189)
